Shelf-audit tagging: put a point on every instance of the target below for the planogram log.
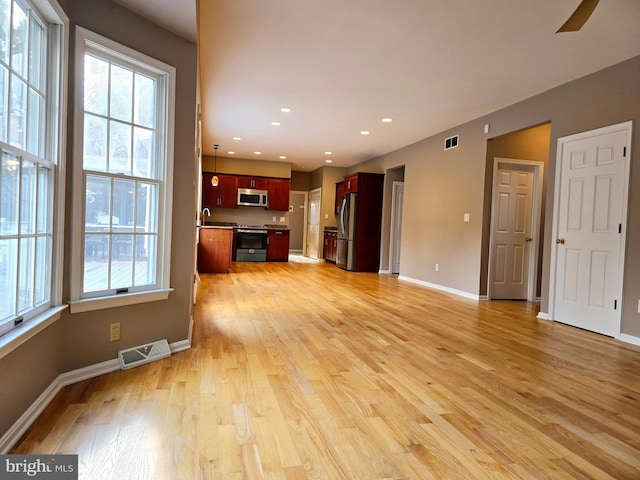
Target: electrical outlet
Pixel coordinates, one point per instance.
(114, 332)
(437, 267)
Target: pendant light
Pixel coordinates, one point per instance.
(214, 179)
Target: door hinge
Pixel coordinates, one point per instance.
(624, 151)
(619, 228)
(615, 304)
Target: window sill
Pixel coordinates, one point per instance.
(16, 337)
(91, 304)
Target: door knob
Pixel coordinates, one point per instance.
(560, 241)
(528, 239)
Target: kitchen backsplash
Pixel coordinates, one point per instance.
(249, 216)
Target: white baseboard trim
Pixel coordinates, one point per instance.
(440, 287)
(18, 429)
(629, 339)
(384, 272)
(543, 316)
(484, 298)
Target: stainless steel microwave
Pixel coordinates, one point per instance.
(252, 198)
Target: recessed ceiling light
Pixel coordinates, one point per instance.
(285, 110)
(275, 124)
(283, 157)
(231, 153)
(258, 153)
(387, 120)
(327, 153)
(365, 132)
(328, 160)
(237, 138)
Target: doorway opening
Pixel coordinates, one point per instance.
(528, 146)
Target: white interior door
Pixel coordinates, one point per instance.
(313, 229)
(396, 226)
(591, 203)
(512, 235)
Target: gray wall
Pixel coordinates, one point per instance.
(440, 186)
(80, 340)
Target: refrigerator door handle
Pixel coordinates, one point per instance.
(343, 219)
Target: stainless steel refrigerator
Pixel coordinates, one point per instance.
(345, 255)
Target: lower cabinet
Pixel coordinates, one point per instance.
(330, 245)
(277, 245)
(214, 250)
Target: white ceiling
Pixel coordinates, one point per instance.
(341, 66)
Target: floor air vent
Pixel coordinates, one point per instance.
(135, 356)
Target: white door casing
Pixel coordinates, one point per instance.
(590, 215)
(515, 224)
(313, 229)
(396, 226)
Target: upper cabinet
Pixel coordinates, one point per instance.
(257, 183)
(350, 183)
(278, 194)
(225, 195)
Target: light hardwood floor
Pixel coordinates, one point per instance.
(303, 371)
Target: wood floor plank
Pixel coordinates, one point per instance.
(305, 371)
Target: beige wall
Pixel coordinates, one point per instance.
(441, 186)
(80, 340)
(243, 166)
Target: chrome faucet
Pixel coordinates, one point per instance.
(207, 211)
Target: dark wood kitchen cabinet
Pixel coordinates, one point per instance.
(256, 183)
(350, 183)
(278, 191)
(214, 250)
(339, 193)
(225, 195)
(277, 245)
(330, 245)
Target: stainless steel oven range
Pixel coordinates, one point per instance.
(251, 244)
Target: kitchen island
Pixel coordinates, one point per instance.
(215, 247)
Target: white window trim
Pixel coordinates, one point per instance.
(86, 37)
(52, 13)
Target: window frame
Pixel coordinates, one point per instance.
(56, 24)
(79, 301)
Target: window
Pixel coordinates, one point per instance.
(123, 123)
(30, 139)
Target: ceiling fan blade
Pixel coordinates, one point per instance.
(579, 17)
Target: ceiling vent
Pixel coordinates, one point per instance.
(132, 357)
(451, 142)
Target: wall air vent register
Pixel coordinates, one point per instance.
(451, 142)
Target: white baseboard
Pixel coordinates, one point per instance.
(384, 272)
(18, 429)
(484, 298)
(629, 339)
(543, 316)
(440, 287)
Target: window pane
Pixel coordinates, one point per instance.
(146, 251)
(43, 276)
(96, 81)
(4, 102)
(10, 177)
(28, 198)
(36, 48)
(25, 275)
(119, 148)
(35, 135)
(17, 112)
(5, 30)
(44, 201)
(121, 93)
(122, 265)
(145, 101)
(143, 153)
(96, 263)
(95, 143)
(123, 203)
(147, 208)
(97, 204)
(8, 277)
(19, 38)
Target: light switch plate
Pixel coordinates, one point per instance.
(467, 217)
